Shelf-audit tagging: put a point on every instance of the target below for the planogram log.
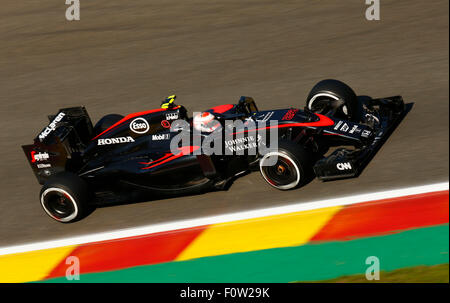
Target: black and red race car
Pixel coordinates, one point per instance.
(124, 158)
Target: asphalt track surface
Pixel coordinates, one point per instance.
(125, 56)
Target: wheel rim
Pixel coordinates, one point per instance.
(323, 103)
(284, 174)
(59, 204)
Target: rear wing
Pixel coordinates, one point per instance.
(59, 145)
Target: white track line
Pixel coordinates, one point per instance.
(171, 226)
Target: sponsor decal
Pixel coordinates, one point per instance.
(39, 156)
(115, 140)
(355, 129)
(44, 165)
(51, 127)
(264, 117)
(139, 126)
(165, 124)
(366, 133)
(161, 137)
(241, 144)
(172, 116)
(290, 114)
(344, 166)
(338, 125)
(344, 128)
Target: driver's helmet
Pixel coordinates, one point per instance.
(205, 122)
(169, 102)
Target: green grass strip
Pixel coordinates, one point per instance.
(312, 262)
(417, 274)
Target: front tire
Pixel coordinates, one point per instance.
(336, 96)
(287, 167)
(64, 197)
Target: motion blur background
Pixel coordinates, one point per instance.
(126, 56)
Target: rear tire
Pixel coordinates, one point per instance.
(64, 197)
(323, 95)
(291, 170)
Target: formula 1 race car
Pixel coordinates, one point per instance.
(123, 157)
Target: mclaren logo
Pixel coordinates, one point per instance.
(139, 126)
(51, 127)
(115, 140)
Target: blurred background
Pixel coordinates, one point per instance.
(126, 56)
